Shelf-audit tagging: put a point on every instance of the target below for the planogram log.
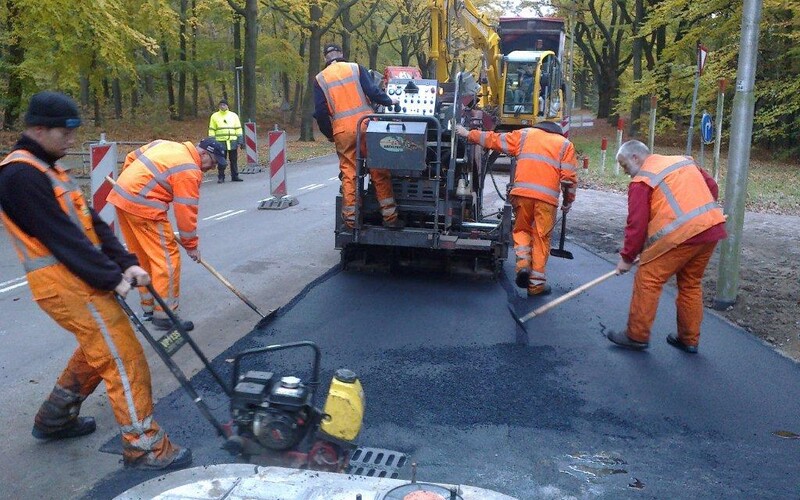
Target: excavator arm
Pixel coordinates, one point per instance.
(484, 37)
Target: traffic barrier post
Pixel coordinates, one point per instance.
(620, 124)
(603, 149)
(279, 197)
(103, 156)
(565, 125)
(718, 117)
(251, 149)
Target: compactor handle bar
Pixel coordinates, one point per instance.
(279, 347)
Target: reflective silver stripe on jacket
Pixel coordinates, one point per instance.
(682, 219)
(187, 235)
(186, 201)
(141, 200)
(536, 187)
(353, 78)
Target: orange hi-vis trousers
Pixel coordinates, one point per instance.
(108, 351)
(532, 229)
(688, 264)
(381, 178)
(154, 244)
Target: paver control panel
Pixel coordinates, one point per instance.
(417, 97)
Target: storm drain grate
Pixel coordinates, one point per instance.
(376, 462)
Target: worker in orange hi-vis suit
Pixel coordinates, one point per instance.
(74, 265)
(342, 95)
(545, 163)
(152, 177)
(674, 224)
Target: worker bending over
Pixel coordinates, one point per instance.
(74, 264)
(342, 95)
(152, 177)
(674, 223)
(545, 163)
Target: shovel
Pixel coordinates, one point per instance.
(560, 252)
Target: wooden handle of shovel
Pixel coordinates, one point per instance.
(569, 295)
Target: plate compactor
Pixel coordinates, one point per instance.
(274, 417)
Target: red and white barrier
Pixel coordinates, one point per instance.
(103, 157)
(620, 126)
(279, 199)
(251, 149)
(603, 149)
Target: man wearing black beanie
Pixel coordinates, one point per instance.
(74, 264)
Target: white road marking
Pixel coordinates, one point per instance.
(311, 187)
(217, 215)
(15, 280)
(230, 214)
(336, 178)
(8, 288)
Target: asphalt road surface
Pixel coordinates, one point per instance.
(555, 412)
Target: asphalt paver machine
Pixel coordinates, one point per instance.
(438, 182)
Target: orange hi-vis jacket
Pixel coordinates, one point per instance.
(157, 174)
(544, 160)
(347, 102)
(41, 267)
(681, 205)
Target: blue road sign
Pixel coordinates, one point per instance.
(707, 128)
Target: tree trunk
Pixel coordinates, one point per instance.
(16, 56)
(195, 79)
(116, 92)
(168, 78)
(314, 55)
(182, 58)
(237, 62)
(250, 54)
(638, 43)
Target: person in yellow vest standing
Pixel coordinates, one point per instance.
(74, 265)
(545, 162)
(152, 177)
(225, 127)
(674, 224)
(343, 92)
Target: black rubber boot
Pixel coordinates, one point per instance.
(167, 324)
(522, 278)
(674, 341)
(81, 426)
(622, 340)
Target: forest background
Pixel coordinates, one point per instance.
(158, 62)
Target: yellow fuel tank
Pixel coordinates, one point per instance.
(345, 405)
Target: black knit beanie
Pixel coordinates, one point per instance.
(52, 109)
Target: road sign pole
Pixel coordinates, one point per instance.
(652, 137)
(718, 139)
(739, 157)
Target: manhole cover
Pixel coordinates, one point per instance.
(376, 462)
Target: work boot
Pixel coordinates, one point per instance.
(237, 179)
(523, 276)
(81, 426)
(674, 341)
(622, 340)
(147, 315)
(221, 180)
(182, 458)
(544, 290)
(394, 224)
(167, 324)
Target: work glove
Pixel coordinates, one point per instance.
(136, 275)
(240, 140)
(194, 254)
(123, 287)
(462, 130)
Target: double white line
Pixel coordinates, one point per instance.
(224, 215)
(7, 286)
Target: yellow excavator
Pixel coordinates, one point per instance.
(521, 69)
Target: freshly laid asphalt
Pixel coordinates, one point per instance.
(555, 412)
